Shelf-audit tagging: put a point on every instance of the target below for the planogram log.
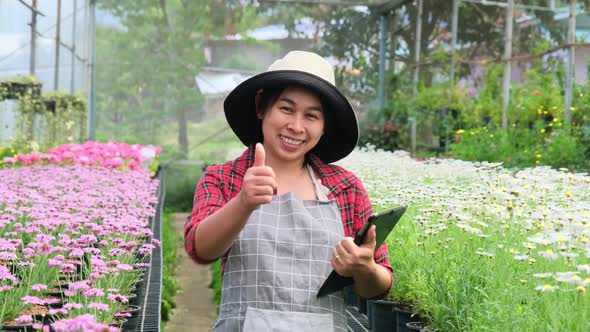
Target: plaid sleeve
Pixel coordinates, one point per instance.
(363, 209)
(209, 197)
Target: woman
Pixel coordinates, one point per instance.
(280, 216)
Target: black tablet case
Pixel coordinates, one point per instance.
(384, 221)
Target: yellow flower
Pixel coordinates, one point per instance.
(549, 251)
(572, 108)
(460, 131)
(543, 130)
(569, 194)
(538, 155)
(580, 289)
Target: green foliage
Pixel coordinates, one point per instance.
(171, 243)
(384, 137)
(44, 121)
(518, 147)
(216, 282)
(7, 151)
(158, 54)
(181, 181)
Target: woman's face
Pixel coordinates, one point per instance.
(293, 124)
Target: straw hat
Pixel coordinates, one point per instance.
(304, 69)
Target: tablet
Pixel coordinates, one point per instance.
(384, 222)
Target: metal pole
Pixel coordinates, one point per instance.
(571, 59)
(392, 44)
(57, 46)
(381, 88)
(73, 49)
(416, 73)
(507, 64)
(32, 59)
(92, 70)
(454, 27)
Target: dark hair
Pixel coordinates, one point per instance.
(269, 96)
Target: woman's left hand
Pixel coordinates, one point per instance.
(349, 259)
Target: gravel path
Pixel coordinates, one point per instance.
(195, 310)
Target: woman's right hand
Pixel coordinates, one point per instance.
(259, 183)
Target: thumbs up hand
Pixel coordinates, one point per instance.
(259, 183)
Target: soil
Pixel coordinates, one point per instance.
(195, 310)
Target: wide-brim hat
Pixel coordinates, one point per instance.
(305, 69)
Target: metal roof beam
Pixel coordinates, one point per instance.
(381, 5)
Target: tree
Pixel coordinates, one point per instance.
(353, 34)
(149, 77)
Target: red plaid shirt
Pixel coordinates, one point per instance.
(220, 183)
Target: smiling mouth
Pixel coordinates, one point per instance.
(291, 141)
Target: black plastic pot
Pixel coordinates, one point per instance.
(362, 305)
(420, 326)
(384, 318)
(17, 328)
(131, 322)
(351, 297)
(370, 314)
(403, 317)
(415, 326)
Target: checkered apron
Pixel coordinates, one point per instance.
(276, 266)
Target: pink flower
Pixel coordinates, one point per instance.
(84, 323)
(57, 311)
(76, 253)
(123, 314)
(33, 300)
(118, 298)
(7, 256)
(29, 253)
(79, 286)
(5, 288)
(24, 319)
(72, 305)
(124, 267)
(68, 268)
(93, 292)
(27, 264)
(38, 287)
(54, 262)
(99, 306)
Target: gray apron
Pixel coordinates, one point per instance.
(276, 266)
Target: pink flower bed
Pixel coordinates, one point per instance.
(85, 226)
(112, 154)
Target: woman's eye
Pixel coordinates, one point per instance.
(312, 116)
(286, 109)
